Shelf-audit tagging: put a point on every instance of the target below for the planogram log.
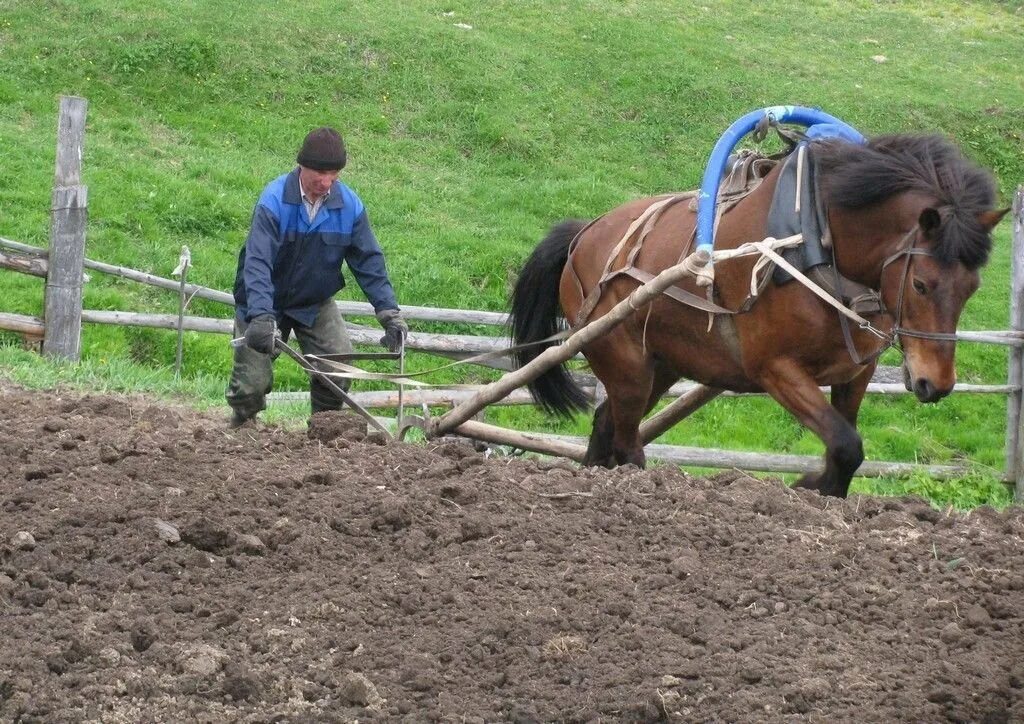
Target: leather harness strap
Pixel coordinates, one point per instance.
(647, 220)
(746, 174)
(680, 295)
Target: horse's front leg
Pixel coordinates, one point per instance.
(846, 398)
(795, 389)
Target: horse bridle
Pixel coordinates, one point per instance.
(906, 249)
(898, 329)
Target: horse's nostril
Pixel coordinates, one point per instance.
(928, 392)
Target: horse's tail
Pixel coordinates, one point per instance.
(534, 317)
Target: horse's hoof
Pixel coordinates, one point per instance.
(811, 482)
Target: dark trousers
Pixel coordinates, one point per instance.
(252, 376)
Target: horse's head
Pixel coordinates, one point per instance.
(926, 285)
(919, 217)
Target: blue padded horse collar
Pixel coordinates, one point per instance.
(818, 124)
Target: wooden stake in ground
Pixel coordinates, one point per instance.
(63, 298)
(1014, 426)
(184, 262)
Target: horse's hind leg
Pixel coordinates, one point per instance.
(599, 447)
(628, 378)
(793, 388)
(664, 377)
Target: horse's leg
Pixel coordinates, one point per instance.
(599, 447)
(795, 389)
(664, 377)
(627, 411)
(846, 399)
(627, 374)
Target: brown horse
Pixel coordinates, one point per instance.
(909, 217)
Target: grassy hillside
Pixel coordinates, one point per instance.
(471, 128)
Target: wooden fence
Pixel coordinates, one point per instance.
(63, 265)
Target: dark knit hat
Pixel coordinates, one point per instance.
(323, 150)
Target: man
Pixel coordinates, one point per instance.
(306, 223)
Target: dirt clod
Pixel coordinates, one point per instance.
(23, 540)
(357, 689)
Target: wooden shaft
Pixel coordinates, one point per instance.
(573, 448)
(523, 440)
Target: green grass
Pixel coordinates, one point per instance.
(466, 144)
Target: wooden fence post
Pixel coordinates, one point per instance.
(63, 300)
(184, 262)
(1014, 430)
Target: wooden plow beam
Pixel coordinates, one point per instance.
(573, 448)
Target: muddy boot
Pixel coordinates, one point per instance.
(322, 400)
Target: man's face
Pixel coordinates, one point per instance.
(316, 183)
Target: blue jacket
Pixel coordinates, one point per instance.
(290, 265)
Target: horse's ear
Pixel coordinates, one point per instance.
(989, 219)
(929, 221)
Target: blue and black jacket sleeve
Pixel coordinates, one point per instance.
(366, 260)
(261, 249)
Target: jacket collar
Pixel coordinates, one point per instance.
(293, 192)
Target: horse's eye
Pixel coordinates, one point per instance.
(920, 287)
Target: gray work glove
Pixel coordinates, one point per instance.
(395, 329)
(261, 333)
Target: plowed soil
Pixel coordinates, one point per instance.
(156, 566)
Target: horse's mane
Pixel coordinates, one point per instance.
(856, 176)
